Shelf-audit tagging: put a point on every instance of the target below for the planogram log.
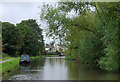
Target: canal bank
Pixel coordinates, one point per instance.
(57, 68)
(9, 66)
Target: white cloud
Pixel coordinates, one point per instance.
(15, 12)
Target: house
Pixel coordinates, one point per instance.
(48, 48)
(59, 48)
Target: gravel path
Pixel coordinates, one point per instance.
(6, 60)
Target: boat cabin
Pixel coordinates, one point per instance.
(24, 58)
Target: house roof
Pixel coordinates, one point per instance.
(48, 46)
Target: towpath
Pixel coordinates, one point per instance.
(6, 60)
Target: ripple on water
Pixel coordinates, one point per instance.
(33, 70)
(21, 77)
(56, 57)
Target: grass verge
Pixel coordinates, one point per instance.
(10, 66)
(49, 56)
(5, 58)
(44, 56)
(69, 58)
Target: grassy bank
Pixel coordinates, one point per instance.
(49, 56)
(10, 66)
(5, 55)
(69, 58)
(44, 56)
(5, 58)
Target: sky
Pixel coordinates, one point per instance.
(15, 12)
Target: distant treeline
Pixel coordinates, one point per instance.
(90, 30)
(23, 38)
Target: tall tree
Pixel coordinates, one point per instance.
(25, 38)
(10, 38)
(32, 37)
(91, 34)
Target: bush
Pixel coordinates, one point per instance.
(4, 55)
(69, 58)
(108, 64)
(110, 61)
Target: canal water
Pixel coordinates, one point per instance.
(56, 68)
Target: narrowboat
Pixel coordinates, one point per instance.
(24, 58)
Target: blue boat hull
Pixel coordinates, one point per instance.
(25, 59)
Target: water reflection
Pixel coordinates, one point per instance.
(24, 67)
(30, 71)
(82, 72)
(56, 68)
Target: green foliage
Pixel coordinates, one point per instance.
(4, 55)
(44, 56)
(10, 38)
(110, 15)
(24, 38)
(92, 36)
(32, 37)
(69, 58)
(5, 58)
(89, 48)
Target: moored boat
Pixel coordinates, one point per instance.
(24, 58)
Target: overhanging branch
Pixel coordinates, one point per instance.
(92, 31)
(88, 30)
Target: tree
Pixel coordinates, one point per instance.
(32, 37)
(109, 12)
(10, 38)
(25, 38)
(91, 35)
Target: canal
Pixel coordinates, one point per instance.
(56, 68)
